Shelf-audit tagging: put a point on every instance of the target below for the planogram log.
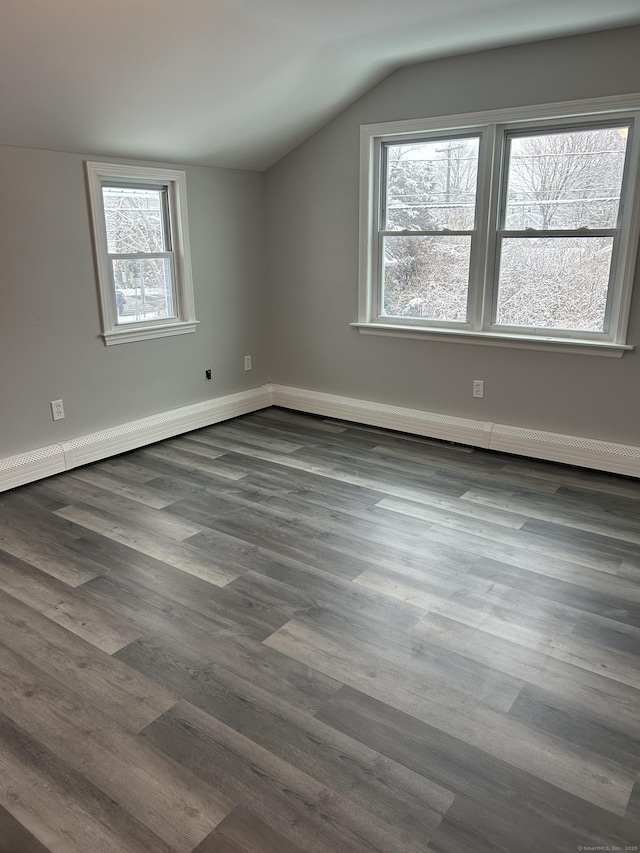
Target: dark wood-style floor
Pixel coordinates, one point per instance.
(284, 634)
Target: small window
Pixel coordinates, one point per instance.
(503, 226)
(142, 251)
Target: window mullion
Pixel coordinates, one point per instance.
(134, 256)
(493, 204)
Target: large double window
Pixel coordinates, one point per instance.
(142, 251)
(507, 227)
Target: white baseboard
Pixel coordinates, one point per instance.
(45, 461)
(555, 447)
(415, 421)
(30, 466)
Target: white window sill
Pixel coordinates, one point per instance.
(126, 335)
(575, 346)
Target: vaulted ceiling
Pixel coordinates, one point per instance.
(234, 83)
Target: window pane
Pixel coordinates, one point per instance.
(144, 289)
(566, 180)
(554, 282)
(134, 219)
(432, 185)
(426, 277)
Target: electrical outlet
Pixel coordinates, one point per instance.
(207, 374)
(57, 410)
(478, 387)
(247, 362)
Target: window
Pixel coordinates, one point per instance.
(142, 251)
(513, 227)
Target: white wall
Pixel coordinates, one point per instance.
(49, 322)
(312, 247)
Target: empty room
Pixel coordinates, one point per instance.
(319, 426)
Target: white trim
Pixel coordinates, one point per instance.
(30, 466)
(176, 183)
(124, 334)
(536, 112)
(45, 461)
(495, 339)
(374, 136)
(415, 421)
(537, 444)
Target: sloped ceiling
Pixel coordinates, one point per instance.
(235, 83)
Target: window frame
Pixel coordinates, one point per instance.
(495, 127)
(173, 182)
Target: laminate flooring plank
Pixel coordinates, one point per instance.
(627, 505)
(525, 548)
(155, 614)
(331, 516)
(282, 539)
(242, 832)
(516, 615)
(209, 462)
(469, 827)
(234, 555)
(445, 460)
(608, 633)
(251, 436)
(59, 807)
(121, 693)
(294, 804)
(580, 478)
(44, 547)
(342, 764)
(113, 484)
(328, 592)
(558, 820)
(298, 684)
(574, 727)
(596, 543)
(129, 513)
(544, 567)
(569, 503)
(189, 476)
(342, 469)
(14, 838)
(562, 512)
(297, 421)
(214, 500)
(370, 613)
(66, 606)
(451, 513)
(389, 651)
(317, 497)
(355, 537)
(609, 596)
(566, 686)
(181, 555)
(601, 782)
(339, 459)
(500, 543)
(242, 609)
(123, 467)
(633, 811)
(157, 791)
(402, 672)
